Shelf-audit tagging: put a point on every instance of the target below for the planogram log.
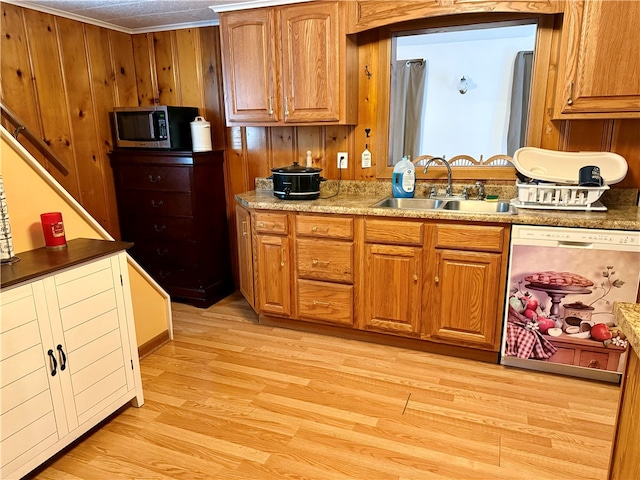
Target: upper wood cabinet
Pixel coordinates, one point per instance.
(289, 65)
(599, 66)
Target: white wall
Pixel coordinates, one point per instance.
(474, 123)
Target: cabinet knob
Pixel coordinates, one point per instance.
(270, 105)
(594, 364)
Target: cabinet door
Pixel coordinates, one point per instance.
(462, 305)
(599, 65)
(91, 338)
(274, 279)
(245, 254)
(30, 391)
(625, 459)
(392, 285)
(310, 52)
(250, 68)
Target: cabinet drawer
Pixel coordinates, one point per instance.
(272, 223)
(470, 237)
(150, 177)
(324, 227)
(135, 228)
(155, 203)
(327, 260)
(395, 232)
(325, 302)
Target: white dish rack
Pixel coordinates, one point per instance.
(558, 196)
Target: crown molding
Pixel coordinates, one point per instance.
(111, 26)
(253, 4)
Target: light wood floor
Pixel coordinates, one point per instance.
(229, 398)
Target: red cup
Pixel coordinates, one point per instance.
(53, 230)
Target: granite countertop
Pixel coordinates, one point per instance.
(356, 198)
(628, 319)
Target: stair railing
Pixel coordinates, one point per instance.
(38, 142)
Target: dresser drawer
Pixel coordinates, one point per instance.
(324, 226)
(176, 276)
(165, 253)
(136, 227)
(327, 260)
(276, 223)
(325, 302)
(482, 238)
(155, 203)
(158, 178)
(395, 232)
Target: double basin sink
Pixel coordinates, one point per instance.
(448, 205)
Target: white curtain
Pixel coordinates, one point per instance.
(407, 98)
(520, 89)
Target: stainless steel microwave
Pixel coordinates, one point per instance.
(159, 126)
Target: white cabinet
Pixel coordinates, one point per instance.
(68, 359)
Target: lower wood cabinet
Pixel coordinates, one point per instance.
(439, 282)
(272, 264)
(68, 359)
(245, 254)
(625, 459)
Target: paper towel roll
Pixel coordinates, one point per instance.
(201, 135)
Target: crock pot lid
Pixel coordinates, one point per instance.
(295, 168)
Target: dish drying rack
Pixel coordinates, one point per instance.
(559, 196)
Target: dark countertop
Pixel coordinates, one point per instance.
(44, 261)
(615, 218)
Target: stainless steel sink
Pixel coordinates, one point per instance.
(479, 206)
(448, 205)
(410, 203)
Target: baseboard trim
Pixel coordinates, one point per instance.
(153, 344)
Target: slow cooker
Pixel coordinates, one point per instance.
(295, 182)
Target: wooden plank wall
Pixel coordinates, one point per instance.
(62, 77)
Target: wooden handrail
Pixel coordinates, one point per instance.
(39, 143)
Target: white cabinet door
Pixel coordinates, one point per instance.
(30, 379)
(89, 332)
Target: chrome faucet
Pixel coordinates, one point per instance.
(448, 192)
(480, 186)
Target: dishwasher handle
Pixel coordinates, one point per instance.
(585, 245)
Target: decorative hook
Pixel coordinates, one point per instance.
(367, 72)
(367, 130)
(463, 86)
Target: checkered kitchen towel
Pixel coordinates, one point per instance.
(524, 341)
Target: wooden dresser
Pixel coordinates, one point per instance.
(172, 206)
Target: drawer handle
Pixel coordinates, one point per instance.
(324, 304)
(159, 229)
(594, 364)
(63, 358)
(55, 364)
(570, 99)
(270, 105)
(315, 229)
(156, 205)
(261, 224)
(315, 261)
(244, 228)
(155, 179)
(162, 252)
(164, 274)
(282, 257)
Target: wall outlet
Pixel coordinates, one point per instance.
(343, 159)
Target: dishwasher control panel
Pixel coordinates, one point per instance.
(576, 235)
